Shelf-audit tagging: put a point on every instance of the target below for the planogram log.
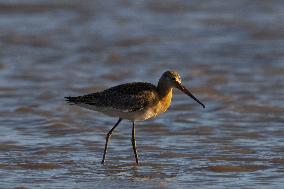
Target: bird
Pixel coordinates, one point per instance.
(136, 101)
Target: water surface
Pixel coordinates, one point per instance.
(229, 53)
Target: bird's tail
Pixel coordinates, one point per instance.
(71, 100)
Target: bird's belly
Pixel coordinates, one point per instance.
(139, 115)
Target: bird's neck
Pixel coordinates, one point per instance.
(164, 89)
(165, 94)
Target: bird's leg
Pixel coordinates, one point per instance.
(134, 143)
(108, 137)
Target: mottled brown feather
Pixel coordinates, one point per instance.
(126, 97)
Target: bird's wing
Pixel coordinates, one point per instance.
(127, 97)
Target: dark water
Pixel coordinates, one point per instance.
(230, 53)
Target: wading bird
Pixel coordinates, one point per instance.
(136, 101)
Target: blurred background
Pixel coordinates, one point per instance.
(229, 53)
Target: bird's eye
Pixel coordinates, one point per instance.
(174, 79)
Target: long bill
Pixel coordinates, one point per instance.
(183, 89)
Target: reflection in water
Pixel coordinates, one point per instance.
(230, 54)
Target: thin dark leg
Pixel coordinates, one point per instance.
(134, 143)
(108, 137)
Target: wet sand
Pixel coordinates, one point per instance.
(229, 53)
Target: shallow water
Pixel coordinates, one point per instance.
(230, 54)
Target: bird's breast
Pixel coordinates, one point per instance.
(160, 107)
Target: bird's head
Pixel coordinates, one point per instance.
(172, 79)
